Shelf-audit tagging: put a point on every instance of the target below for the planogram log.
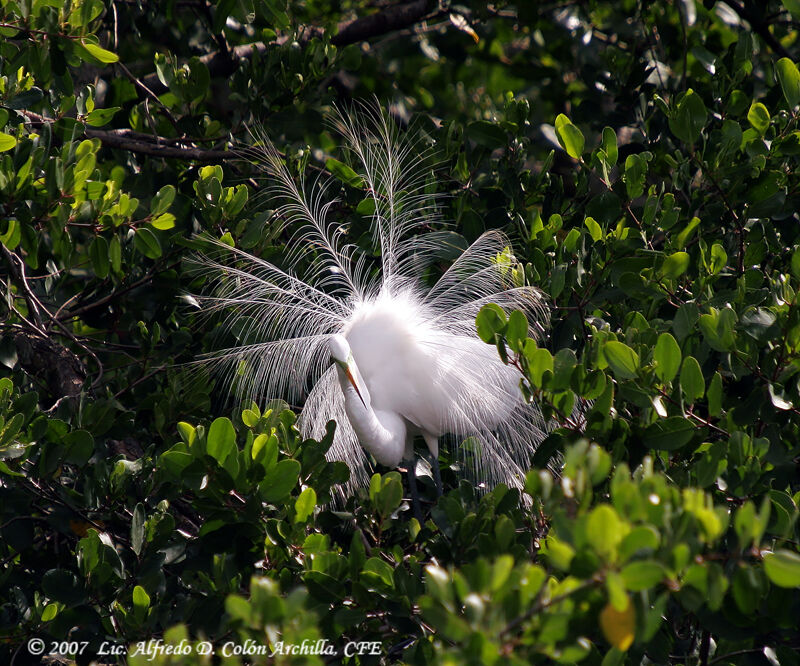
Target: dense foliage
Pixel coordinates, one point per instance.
(643, 157)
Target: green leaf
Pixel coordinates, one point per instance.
(783, 568)
(79, 446)
(26, 99)
(604, 530)
(366, 207)
(376, 570)
(62, 586)
(718, 328)
(137, 528)
(115, 254)
(609, 144)
(719, 259)
(669, 434)
(616, 590)
(759, 117)
(595, 231)
(558, 553)
(569, 136)
(173, 463)
(265, 450)
(99, 53)
(386, 492)
(539, 361)
(486, 134)
(163, 222)
(49, 612)
(100, 117)
(13, 234)
(640, 540)
(687, 232)
(642, 575)
(667, 356)
(221, 441)
(344, 173)
(147, 243)
(622, 359)
(140, 598)
(304, 505)
(789, 78)
(714, 395)
(98, 253)
(235, 204)
(7, 142)
(689, 117)
(692, 383)
(675, 265)
(162, 200)
(280, 480)
(749, 525)
(608, 152)
(517, 330)
(491, 321)
(635, 175)
(250, 419)
(793, 7)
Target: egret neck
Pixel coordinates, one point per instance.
(384, 434)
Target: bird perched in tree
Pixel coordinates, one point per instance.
(388, 352)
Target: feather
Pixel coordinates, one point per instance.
(415, 346)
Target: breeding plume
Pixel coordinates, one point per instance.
(371, 338)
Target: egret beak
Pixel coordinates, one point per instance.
(351, 377)
(353, 381)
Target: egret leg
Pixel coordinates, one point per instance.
(411, 466)
(437, 476)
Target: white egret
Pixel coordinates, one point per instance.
(406, 357)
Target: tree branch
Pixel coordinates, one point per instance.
(145, 144)
(59, 368)
(222, 64)
(759, 26)
(156, 146)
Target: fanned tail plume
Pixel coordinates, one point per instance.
(415, 343)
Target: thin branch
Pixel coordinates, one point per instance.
(120, 139)
(149, 93)
(145, 144)
(541, 605)
(395, 17)
(758, 26)
(117, 293)
(18, 276)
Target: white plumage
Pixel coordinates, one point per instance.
(413, 347)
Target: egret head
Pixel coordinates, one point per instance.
(340, 350)
(343, 357)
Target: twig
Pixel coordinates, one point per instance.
(143, 88)
(117, 293)
(141, 379)
(541, 605)
(395, 17)
(118, 139)
(18, 275)
(145, 144)
(758, 25)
